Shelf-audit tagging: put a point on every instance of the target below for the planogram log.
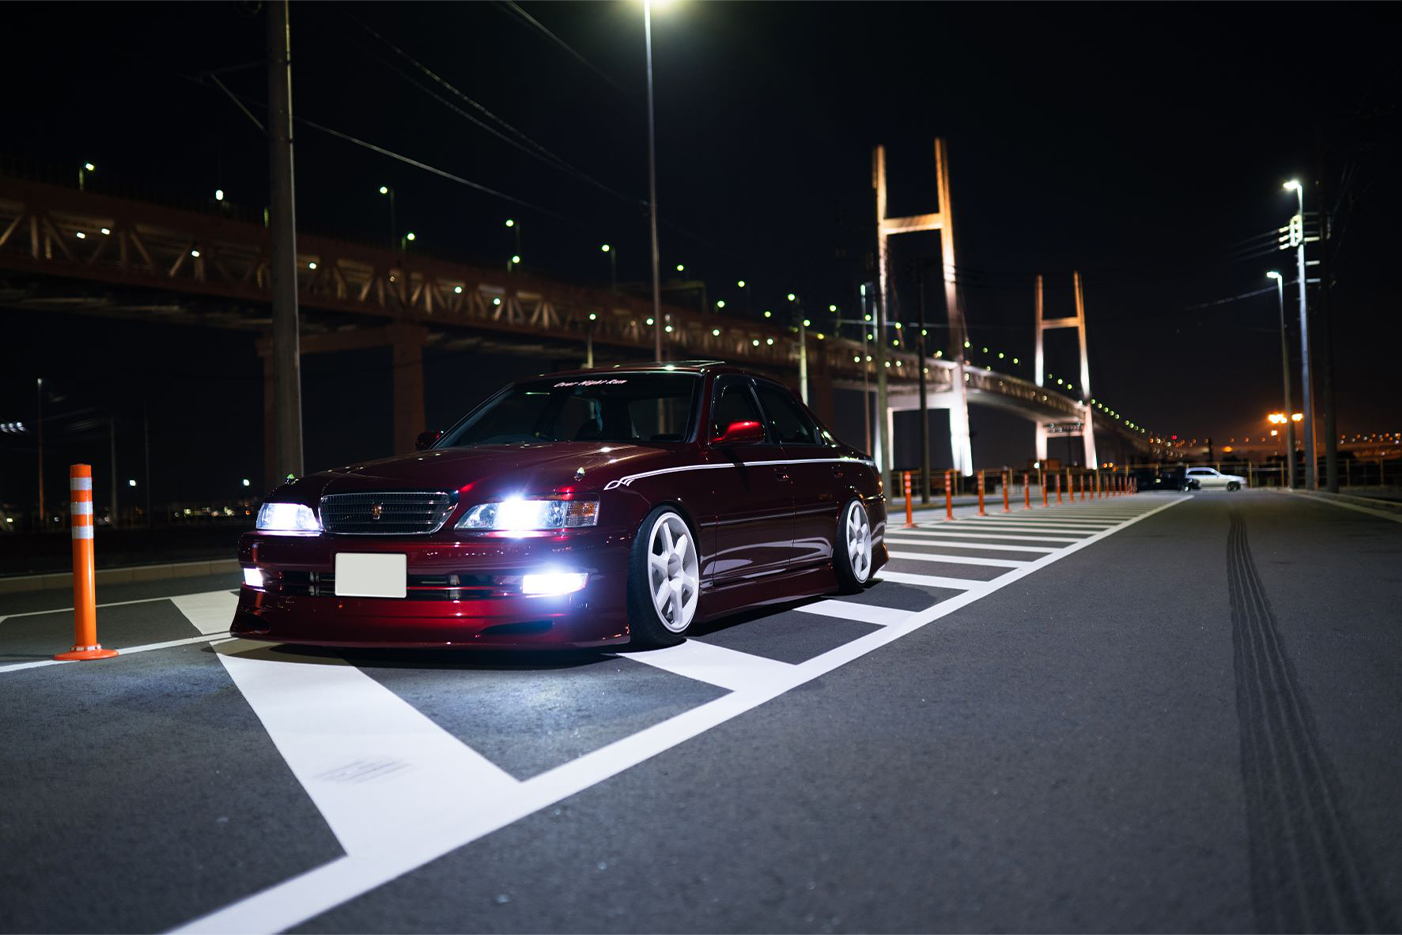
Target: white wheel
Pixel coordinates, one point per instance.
(856, 537)
(673, 572)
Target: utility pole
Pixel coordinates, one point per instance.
(652, 188)
(112, 441)
(866, 366)
(1285, 374)
(883, 418)
(1325, 323)
(1297, 234)
(39, 422)
(924, 404)
(282, 257)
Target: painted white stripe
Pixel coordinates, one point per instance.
(1030, 537)
(715, 665)
(82, 532)
(954, 544)
(1029, 527)
(628, 479)
(381, 773)
(60, 610)
(1047, 521)
(211, 612)
(849, 610)
(294, 901)
(80, 483)
(125, 651)
(930, 581)
(80, 508)
(958, 560)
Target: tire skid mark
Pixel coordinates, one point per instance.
(1307, 871)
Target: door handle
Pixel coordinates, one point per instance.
(781, 473)
(836, 470)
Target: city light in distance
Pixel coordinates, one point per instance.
(219, 194)
(90, 167)
(384, 190)
(792, 297)
(409, 236)
(605, 247)
(740, 283)
(510, 222)
(131, 482)
(681, 267)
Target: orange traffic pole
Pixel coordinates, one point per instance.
(1081, 483)
(1058, 489)
(1026, 492)
(980, 494)
(1006, 478)
(909, 515)
(1044, 488)
(85, 644)
(948, 495)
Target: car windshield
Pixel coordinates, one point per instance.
(615, 407)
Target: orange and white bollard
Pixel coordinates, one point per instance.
(85, 644)
(948, 495)
(1006, 507)
(1026, 492)
(1081, 483)
(1058, 489)
(1043, 478)
(909, 512)
(980, 494)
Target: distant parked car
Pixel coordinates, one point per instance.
(1170, 478)
(1211, 478)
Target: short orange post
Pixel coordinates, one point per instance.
(948, 495)
(1058, 489)
(85, 644)
(1006, 478)
(1043, 479)
(909, 514)
(980, 494)
(1081, 483)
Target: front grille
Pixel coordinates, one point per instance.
(394, 513)
(439, 587)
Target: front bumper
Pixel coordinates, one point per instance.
(463, 591)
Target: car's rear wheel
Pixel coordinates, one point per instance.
(664, 580)
(852, 548)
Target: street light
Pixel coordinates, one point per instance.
(1298, 235)
(1285, 376)
(82, 173)
(613, 265)
(393, 227)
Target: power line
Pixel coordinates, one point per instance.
(530, 20)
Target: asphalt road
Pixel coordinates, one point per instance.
(1150, 713)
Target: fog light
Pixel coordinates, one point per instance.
(555, 582)
(253, 577)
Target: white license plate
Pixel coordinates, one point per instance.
(371, 574)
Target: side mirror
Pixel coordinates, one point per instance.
(740, 433)
(426, 440)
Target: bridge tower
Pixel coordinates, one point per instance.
(942, 221)
(1077, 321)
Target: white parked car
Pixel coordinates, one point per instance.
(1209, 478)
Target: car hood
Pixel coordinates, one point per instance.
(491, 471)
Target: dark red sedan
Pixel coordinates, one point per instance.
(577, 509)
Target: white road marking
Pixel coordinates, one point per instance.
(716, 665)
(931, 581)
(866, 613)
(1031, 527)
(1039, 521)
(125, 651)
(381, 773)
(1031, 537)
(60, 610)
(294, 901)
(954, 544)
(211, 612)
(961, 559)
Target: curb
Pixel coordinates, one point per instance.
(59, 580)
(1383, 508)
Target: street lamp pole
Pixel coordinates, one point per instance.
(613, 265)
(39, 426)
(1311, 466)
(1285, 374)
(652, 187)
(393, 225)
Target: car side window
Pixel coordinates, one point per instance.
(788, 423)
(734, 402)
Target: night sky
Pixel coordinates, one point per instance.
(1144, 145)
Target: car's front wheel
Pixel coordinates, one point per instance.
(664, 580)
(1234, 486)
(852, 550)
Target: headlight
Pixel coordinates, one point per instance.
(290, 519)
(520, 515)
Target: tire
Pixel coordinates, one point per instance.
(1233, 486)
(851, 550)
(663, 562)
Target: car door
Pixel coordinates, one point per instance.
(754, 501)
(817, 474)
